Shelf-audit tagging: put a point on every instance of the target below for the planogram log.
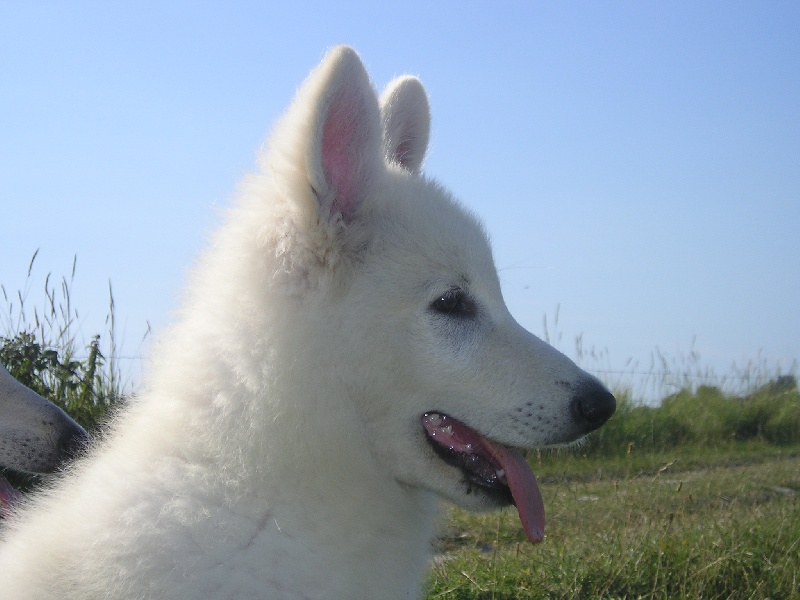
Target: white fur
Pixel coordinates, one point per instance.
(277, 451)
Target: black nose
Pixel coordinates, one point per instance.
(592, 405)
(73, 442)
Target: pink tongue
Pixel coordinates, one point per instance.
(455, 435)
(524, 488)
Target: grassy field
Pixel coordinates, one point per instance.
(693, 523)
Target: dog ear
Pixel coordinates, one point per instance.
(345, 146)
(406, 119)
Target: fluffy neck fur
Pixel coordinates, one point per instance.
(299, 467)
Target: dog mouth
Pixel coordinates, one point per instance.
(500, 471)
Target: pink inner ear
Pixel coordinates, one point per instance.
(343, 139)
(403, 152)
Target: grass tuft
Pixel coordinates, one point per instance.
(41, 347)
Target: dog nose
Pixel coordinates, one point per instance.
(73, 442)
(592, 405)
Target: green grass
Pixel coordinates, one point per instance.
(706, 416)
(42, 346)
(693, 524)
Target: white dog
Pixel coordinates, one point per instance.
(343, 361)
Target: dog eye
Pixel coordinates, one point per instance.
(455, 303)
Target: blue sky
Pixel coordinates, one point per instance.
(637, 164)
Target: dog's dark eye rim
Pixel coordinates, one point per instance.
(455, 302)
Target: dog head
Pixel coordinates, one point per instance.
(403, 303)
